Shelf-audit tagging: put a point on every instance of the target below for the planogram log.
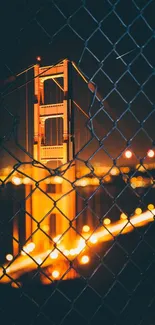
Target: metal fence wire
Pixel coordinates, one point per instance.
(77, 235)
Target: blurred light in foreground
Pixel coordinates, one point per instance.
(9, 257)
(123, 216)
(84, 259)
(55, 274)
(150, 153)
(93, 239)
(128, 154)
(106, 221)
(138, 211)
(85, 228)
(150, 207)
(54, 254)
(16, 180)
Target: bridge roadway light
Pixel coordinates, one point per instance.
(150, 207)
(106, 221)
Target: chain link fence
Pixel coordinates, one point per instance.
(108, 277)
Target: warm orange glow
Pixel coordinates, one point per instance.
(123, 216)
(138, 211)
(9, 257)
(106, 221)
(128, 154)
(84, 259)
(16, 180)
(85, 228)
(150, 207)
(150, 153)
(54, 254)
(55, 274)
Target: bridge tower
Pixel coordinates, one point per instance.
(44, 196)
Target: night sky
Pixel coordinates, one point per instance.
(94, 35)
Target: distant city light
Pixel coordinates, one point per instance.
(150, 153)
(84, 259)
(128, 154)
(9, 257)
(138, 211)
(16, 180)
(106, 221)
(150, 207)
(85, 228)
(55, 274)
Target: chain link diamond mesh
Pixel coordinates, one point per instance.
(109, 277)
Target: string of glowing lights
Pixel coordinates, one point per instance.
(28, 263)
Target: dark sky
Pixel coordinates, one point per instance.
(93, 34)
